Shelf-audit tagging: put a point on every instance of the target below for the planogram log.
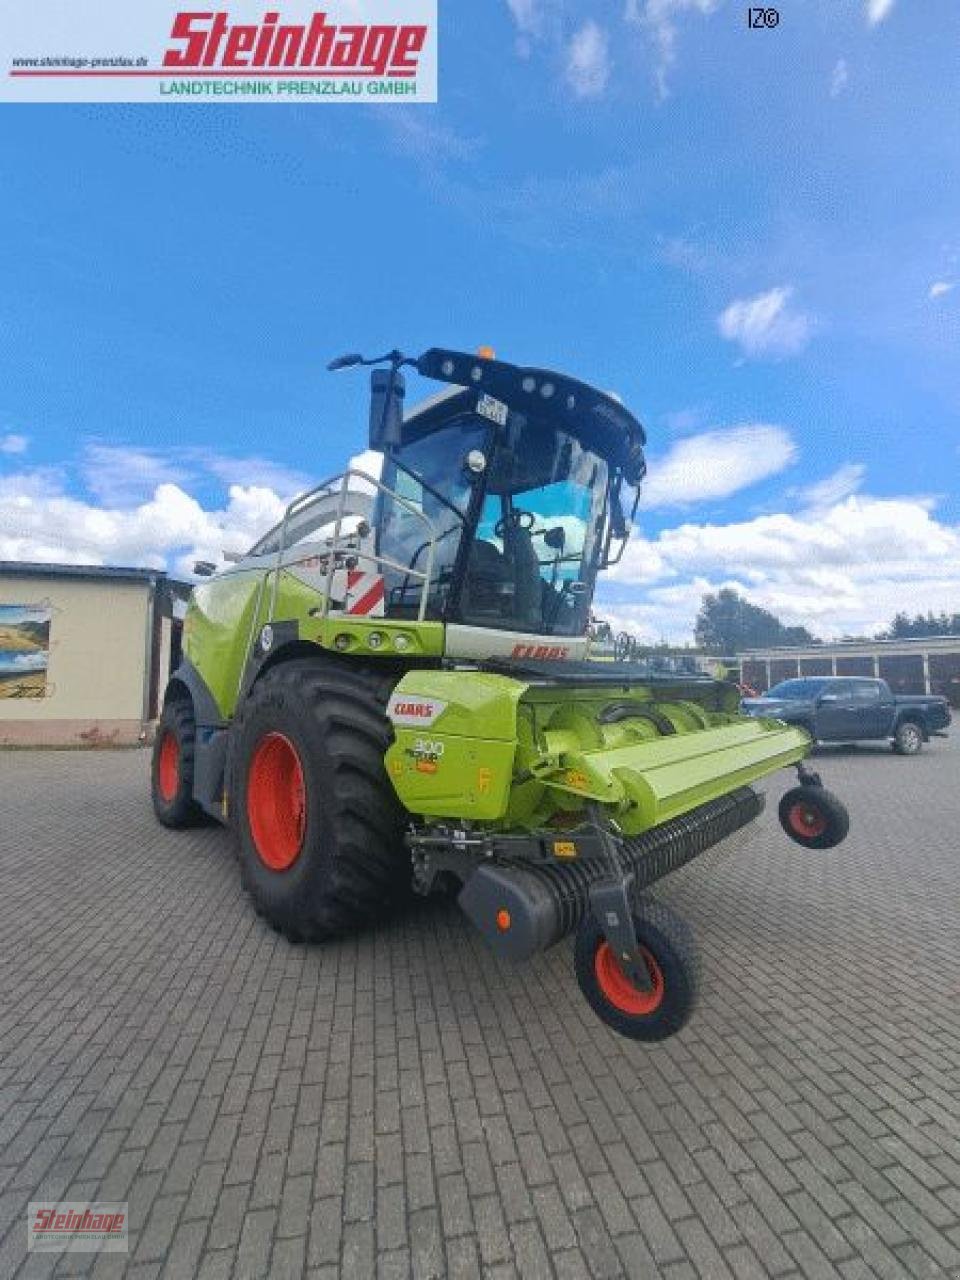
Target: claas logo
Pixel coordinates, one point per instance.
(322, 47)
(548, 652)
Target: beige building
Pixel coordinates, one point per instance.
(84, 652)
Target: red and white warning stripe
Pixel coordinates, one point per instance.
(365, 593)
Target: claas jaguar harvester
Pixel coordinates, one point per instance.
(393, 688)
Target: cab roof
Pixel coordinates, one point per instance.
(599, 420)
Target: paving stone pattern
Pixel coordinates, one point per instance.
(404, 1104)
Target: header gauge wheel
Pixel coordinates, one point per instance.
(668, 950)
(814, 817)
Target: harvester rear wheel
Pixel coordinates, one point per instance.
(668, 949)
(171, 773)
(318, 824)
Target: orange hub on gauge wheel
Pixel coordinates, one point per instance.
(806, 821)
(168, 768)
(276, 802)
(620, 991)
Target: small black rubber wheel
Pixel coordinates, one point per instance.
(171, 774)
(908, 739)
(671, 957)
(814, 817)
(318, 824)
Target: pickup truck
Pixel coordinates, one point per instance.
(842, 709)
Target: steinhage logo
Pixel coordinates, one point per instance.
(114, 51)
(204, 40)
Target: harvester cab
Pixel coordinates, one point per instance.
(509, 488)
(393, 687)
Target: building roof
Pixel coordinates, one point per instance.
(855, 647)
(116, 573)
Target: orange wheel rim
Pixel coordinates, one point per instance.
(617, 988)
(276, 802)
(168, 767)
(807, 821)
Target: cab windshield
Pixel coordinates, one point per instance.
(432, 478)
(516, 542)
(533, 561)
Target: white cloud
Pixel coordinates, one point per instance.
(941, 287)
(168, 528)
(765, 325)
(843, 569)
(877, 10)
(715, 464)
(588, 61)
(426, 137)
(120, 476)
(14, 444)
(528, 16)
(257, 471)
(39, 521)
(123, 476)
(659, 19)
(834, 488)
(839, 78)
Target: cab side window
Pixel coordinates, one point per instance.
(865, 691)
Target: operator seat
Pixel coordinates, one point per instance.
(528, 585)
(488, 584)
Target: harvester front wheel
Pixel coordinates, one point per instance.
(668, 949)
(171, 774)
(319, 827)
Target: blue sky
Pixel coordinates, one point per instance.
(752, 236)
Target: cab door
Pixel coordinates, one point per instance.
(836, 717)
(871, 715)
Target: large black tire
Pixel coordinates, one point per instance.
(814, 817)
(318, 824)
(673, 962)
(908, 738)
(171, 772)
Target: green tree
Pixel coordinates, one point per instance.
(905, 627)
(728, 623)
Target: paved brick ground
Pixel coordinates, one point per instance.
(403, 1104)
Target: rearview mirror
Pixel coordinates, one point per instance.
(387, 390)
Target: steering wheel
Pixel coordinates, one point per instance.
(622, 647)
(515, 520)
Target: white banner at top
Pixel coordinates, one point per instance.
(235, 51)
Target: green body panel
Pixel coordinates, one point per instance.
(519, 755)
(470, 776)
(217, 629)
(226, 614)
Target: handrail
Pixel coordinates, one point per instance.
(327, 490)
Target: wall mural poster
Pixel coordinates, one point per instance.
(24, 650)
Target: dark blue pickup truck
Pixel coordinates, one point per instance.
(842, 709)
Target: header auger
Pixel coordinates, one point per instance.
(393, 688)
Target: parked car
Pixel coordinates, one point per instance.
(841, 709)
